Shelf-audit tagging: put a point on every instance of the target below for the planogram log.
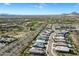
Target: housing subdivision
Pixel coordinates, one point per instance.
(63, 41)
(51, 40)
(56, 40)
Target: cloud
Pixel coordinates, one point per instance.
(7, 4)
(40, 6)
(77, 5)
(55, 3)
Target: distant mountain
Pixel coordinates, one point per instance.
(3, 14)
(7, 15)
(33, 16)
(72, 14)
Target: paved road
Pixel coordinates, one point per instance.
(49, 48)
(50, 51)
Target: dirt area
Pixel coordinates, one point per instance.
(75, 38)
(15, 34)
(75, 41)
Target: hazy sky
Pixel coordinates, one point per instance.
(38, 8)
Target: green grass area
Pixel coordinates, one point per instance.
(34, 24)
(17, 29)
